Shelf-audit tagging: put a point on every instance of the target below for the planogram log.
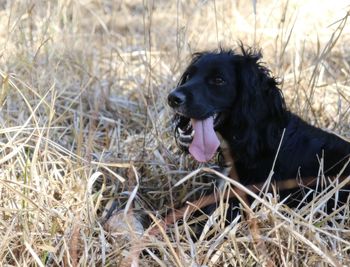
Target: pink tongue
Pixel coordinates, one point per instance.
(205, 142)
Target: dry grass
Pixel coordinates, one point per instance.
(85, 125)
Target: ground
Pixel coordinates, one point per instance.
(85, 125)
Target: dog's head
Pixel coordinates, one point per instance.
(226, 92)
(205, 87)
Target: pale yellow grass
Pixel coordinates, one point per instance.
(85, 125)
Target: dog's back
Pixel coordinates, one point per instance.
(306, 151)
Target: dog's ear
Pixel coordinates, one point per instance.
(256, 83)
(260, 108)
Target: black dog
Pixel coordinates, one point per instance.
(236, 96)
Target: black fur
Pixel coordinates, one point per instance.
(252, 118)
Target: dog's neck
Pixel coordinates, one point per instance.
(249, 144)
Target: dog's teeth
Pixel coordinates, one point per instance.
(181, 131)
(184, 144)
(186, 137)
(188, 127)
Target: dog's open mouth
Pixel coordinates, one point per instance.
(199, 136)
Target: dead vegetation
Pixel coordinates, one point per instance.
(85, 125)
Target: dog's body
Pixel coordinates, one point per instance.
(235, 96)
(302, 149)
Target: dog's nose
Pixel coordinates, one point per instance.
(176, 99)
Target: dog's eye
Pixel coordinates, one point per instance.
(186, 77)
(217, 81)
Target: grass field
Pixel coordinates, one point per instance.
(84, 125)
